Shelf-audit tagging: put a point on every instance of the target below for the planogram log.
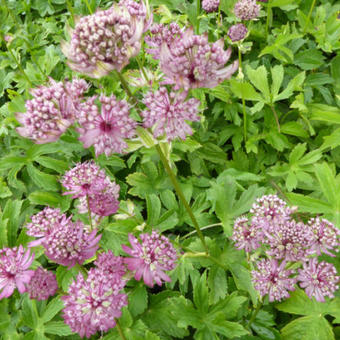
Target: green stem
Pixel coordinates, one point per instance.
(276, 118)
(203, 228)
(141, 67)
(89, 211)
(70, 9)
(253, 316)
(309, 15)
(198, 7)
(181, 195)
(269, 14)
(120, 331)
(88, 6)
(243, 101)
(126, 87)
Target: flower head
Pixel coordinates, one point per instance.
(168, 113)
(14, 273)
(210, 5)
(247, 9)
(70, 244)
(193, 62)
(318, 279)
(326, 237)
(150, 258)
(237, 32)
(107, 39)
(162, 34)
(92, 304)
(110, 264)
(42, 285)
(106, 128)
(84, 179)
(51, 111)
(272, 279)
(247, 236)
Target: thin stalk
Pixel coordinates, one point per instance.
(207, 256)
(309, 15)
(181, 195)
(243, 101)
(70, 9)
(88, 6)
(253, 316)
(269, 14)
(126, 87)
(276, 118)
(141, 67)
(89, 211)
(203, 228)
(120, 331)
(198, 7)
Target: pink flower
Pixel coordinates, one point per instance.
(151, 258)
(237, 32)
(70, 244)
(92, 304)
(110, 264)
(84, 179)
(106, 128)
(14, 273)
(51, 111)
(210, 5)
(272, 279)
(107, 39)
(247, 9)
(168, 113)
(318, 279)
(42, 285)
(193, 62)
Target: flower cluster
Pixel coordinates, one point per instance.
(150, 258)
(107, 39)
(42, 285)
(190, 61)
(65, 242)
(210, 5)
(14, 272)
(167, 113)
(287, 241)
(247, 9)
(51, 111)
(95, 190)
(237, 32)
(106, 127)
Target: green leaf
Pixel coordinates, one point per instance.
(138, 300)
(277, 78)
(54, 164)
(229, 329)
(230, 306)
(309, 59)
(217, 282)
(324, 113)
(52, 309)
(327, 182)
(309, 204)
(245, 90)
(294, 85)
(52, 199)
(201, 296)
(311, 327)
(12, 213)
(29, 313)
(42, 180)
(153, 205)
(57, 328)
(259, 78)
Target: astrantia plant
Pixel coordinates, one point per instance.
(139, 141)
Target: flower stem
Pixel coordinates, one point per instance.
(120, 331)
(88, 6)
(198, 7)
(126, 88)
(89, 211)
(181, 195)
(243, 101)
(203, 228)
(254, 314)
(276, 118)
(309, 15)
(269, 14)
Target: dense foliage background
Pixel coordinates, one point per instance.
(274, 127)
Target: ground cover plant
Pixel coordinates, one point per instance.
(170, 169)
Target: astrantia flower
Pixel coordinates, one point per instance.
(247, 9)
(272, 279)
(193, 62)
(150, 258)
(110, 264)
(92, 304)
(84, 179)
(107, 39)
(237, 32)
(160, 34)
(326, 237)
(247, 236)
(71, 244)
(51, 111)
(168, 113)
(318, 279)
(289, 240)
(107, 127)
(210, 5)
(14, 273)
(43, 222)
(42, 285)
